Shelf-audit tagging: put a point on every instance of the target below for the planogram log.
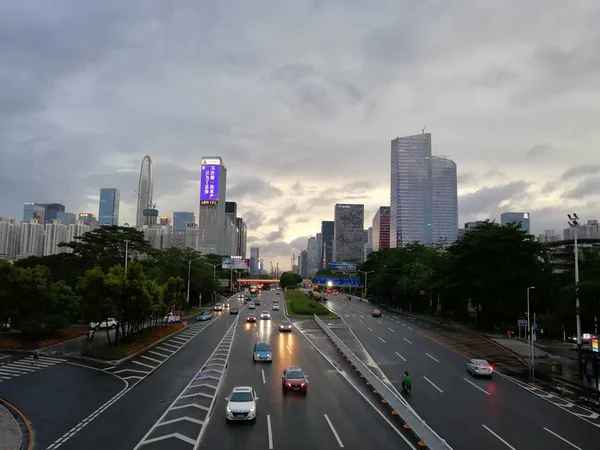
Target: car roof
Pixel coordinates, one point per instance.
(262, 343)
(294, 368)
(242, 389)
(480, 361)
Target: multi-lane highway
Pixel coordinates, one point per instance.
(467, 412)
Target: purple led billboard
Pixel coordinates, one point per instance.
(209, 181)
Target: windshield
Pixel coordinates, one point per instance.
(285, 324)
(294, 375)
(240, 397)
(263, 348)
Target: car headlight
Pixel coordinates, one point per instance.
(252, 409)
(228, 409)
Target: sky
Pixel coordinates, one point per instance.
(301, 99)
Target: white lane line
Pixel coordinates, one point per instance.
(337, 437)
(403, 324)
(263, 377)
(410, 328)
(362, 317)
(380, 322)
(369, 329)
(269, 432)
(477, 387)
(407, 340)
(381, 340)
(361, 321)
(432, 357)
(391, 330)
(403, 359)
(499, 438)
(433, 384)
(288, 349)
(562, 438)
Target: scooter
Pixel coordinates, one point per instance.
(406, 388)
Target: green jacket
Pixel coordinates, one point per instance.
(407, 380)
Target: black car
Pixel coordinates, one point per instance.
(233, 310)
(285, 326)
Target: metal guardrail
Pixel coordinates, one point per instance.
(433, 440)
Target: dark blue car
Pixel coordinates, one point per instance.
(262, 352)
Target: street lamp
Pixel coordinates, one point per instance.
(189, 261)
(574, 223)
(366, 280)
(214, 266)
(529, 327)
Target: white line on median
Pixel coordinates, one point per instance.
(403, 359)
(288, 349)
(369, 329)
(499, 438)
(391, 330)
(361, 321)
(381, 340)
(269, 432)
(433, 384)
(432, 357)
(407, 340)
(333, 431)
(263, 375)
(562, 438)
(474, 385)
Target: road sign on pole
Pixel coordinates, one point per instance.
(534, 326)
(522, 322)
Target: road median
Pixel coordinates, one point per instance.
(301, 306)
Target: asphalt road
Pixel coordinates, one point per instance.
(467, 412)
(332, 414)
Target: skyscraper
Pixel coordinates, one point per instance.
(242, 237)
(410, 203)
(522, 218)
(211, 217)
(444, 191)
(312, 257)
(108, 212)
(327, 229)
(349, 232)
(145, 193)
(381, 229)
(51, 210)
(33, 211)
(254, 259)
(180, 218)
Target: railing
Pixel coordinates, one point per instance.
(418, 425)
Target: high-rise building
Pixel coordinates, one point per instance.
(549, 236)
(66, 218)
(381, 229)
(410, 201)
(165, 221)
(304, 264)
(349, 232)
(444, 191)
(75, 230)
(108, 211)
(327, 230)
(231, 236)
(231, 208)
(159, 236)
(191, 235)
(145, 194)
(89, 219)
(254, 259)
(55, 233)
(368, 249)
(211, 217)
(312, 261)
(522, 218)
(180, 218)
(31, 239)
(589, 230)
(319, 251)
(242, 237)
(9, 238)
(51, 210)
(33, 211)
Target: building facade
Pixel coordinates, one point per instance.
(31, 239)
(522, 218)
(51, 210)
(180, 218)
(349, 232)
(411, 191)
(145, 193)
(444, 188)
(242, 237)
(9, 238)
(589, 230)
(303, 260)
(66, 218)
(327, 231)
(549, 236)
(211, 217)
(254, 259)
(33, 211)
(89, 219)
(312, 262)
(108, 211)
(55, 233)
(381, 229)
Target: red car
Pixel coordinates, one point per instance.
(294, 380)
(376, 313)
(251, 318)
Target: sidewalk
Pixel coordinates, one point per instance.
(10, 433)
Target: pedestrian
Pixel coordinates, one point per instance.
(36, 356)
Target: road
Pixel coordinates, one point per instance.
(332, 415)
(467, 412)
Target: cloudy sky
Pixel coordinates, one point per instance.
(301, 99)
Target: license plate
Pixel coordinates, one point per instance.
(239, 416)
(296, 388)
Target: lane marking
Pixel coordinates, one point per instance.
(269, 432)
(381, 340)
(433, 384)
(403, 324)
(380, 322)
(263, 376)
(474, 385)
(407, 340)
(432, 357)
(410, 328)
(288, 349)
(562, 439)
(499, 438)
(391, 330)
(369, 329)
(361, 321)
(337, 437)
(403, 359)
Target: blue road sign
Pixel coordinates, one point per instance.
(534, 326)
(522, 323)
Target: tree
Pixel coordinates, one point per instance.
(95, 302)
(174, 293)
(289, 279)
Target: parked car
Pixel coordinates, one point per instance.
(107, 323)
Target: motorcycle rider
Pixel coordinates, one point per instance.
(406, 381)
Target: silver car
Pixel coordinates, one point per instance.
(479, 367)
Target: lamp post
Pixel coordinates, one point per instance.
(529, 327)
(214, 266)
(366, 280)
(574, 223)
(189, 261)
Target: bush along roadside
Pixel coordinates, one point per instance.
(20, 341)
(301, 306)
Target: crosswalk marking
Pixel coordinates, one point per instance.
(25, 366)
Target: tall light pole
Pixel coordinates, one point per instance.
(214, 266)
(190, 261)
(529, 327)
(574, 223)
(366, 279)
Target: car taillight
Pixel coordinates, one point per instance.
(491, 368)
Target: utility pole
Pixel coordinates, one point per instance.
(574, 223)
(277, 273)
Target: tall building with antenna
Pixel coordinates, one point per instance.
(145, 194)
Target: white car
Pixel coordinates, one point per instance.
(251, 306)
(108, 323)
(480, 367)
(265, 315)
(219, 307)
(241, 404)
(276, 307)
(172, 318)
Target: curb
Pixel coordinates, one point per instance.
(381, 398)
(21, 421)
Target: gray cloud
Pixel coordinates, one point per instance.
(253, 219)
(541, 150)
(251, 187)
(280, 248)
(586, 188)
(580, 171)
(490, 197)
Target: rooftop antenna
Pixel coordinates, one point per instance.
(423, 130)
